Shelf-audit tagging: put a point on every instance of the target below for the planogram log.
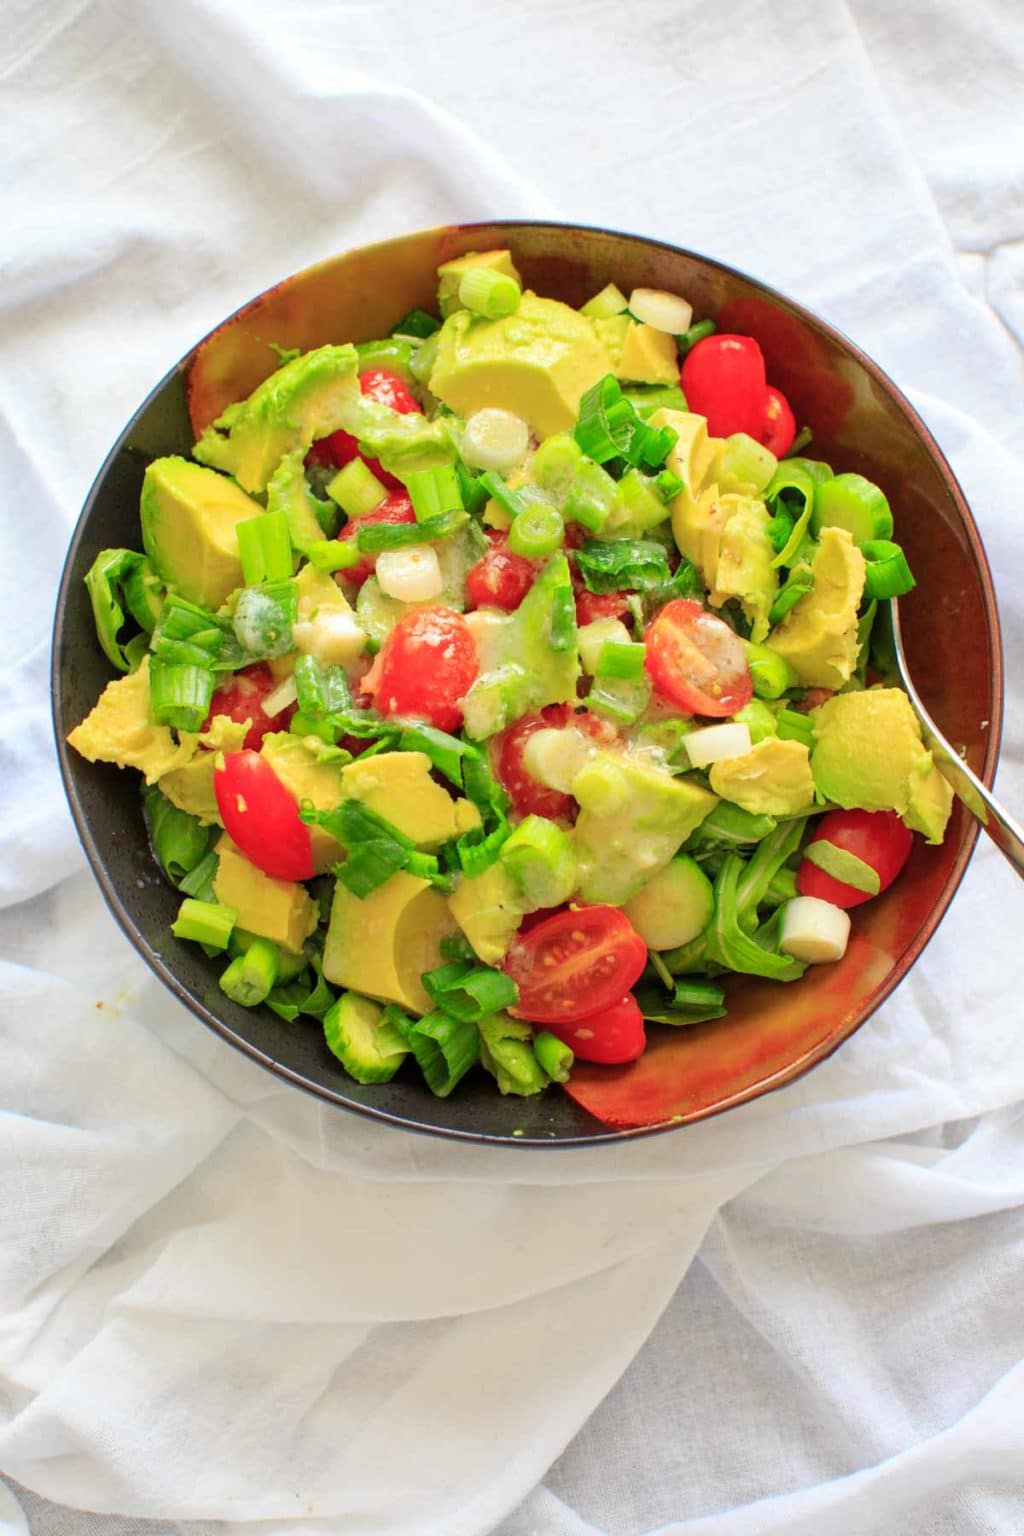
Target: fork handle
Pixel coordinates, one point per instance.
(1005, 832)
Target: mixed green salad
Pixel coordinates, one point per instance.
(502, 685)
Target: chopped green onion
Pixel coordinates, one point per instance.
(697, 994)
(779, 530)
(622, 564)
(841, 864)
(591, 498)
(771, 673)
(417, 323)
(375, 537)
(265, 548)
(619, 658)
(539, 856)
(427, 866)
(790, 493)
(434, 491)
(606, 422)
(793, 726)
(556, 461)
(445, 1048)
(642, 508)
(144, 593)
(798, 586)
(473, 492)
(179, 695)
(135, 651)
(745, 462)
(179, 840)
(690, 338)
(199, 880)
(424, 358)
(469, 992)
(562, 632)
(803, 440)
(447, 753)
(455, 946)
(497, 490)
(620, 700)
(535, 532)
(491, 294)
(250, 978)
(204, 922)
(506, 1051)
(374, 848)
(333, 554)
(320, 689)
(264, 617)
(477, 851)
(888, 574)
(356, 489)
(649, 446)
(669, 485)
(105, 581)
(850, 501)
(553, 1056)
(482, 787)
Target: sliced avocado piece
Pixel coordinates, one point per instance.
(382, 943)
(367, 1044)
(281, 910)
(190, 787)
(693, 459)
(488, 909)
(536, 363)
(819, 636)
(311, 396)
(744, 566)
(869, 755)
(189, 521)
(451, 273)
(530, 672)
(648, 356)
(309, 519)
(308, 778)
(637, 830)
(118, 730)
(772, 779)
(611, 333)
(398, 786)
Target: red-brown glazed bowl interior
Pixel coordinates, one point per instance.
(773, 1032)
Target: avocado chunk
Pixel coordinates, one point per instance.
(307, 778)
(647, 356)
(634, 832)
(869, 755)
(280, 910)
(190, 787)
(772, 779)
(524, 669)
(537, 363)
(819, 636)
(189, 520)
(381, 944)
(488, 909)
(118, 729)
(398, 786)
(451, 273)
(610, 331)
(743, 568)
(288, 491)
(311, 396)
(325, 625)
(693, 459)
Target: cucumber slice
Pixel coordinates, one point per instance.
(368, 1046)
(853, 503)
(674, 906)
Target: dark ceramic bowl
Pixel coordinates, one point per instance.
(860, 421)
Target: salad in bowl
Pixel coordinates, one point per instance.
(501, 686)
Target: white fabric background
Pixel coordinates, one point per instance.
(228, 1309)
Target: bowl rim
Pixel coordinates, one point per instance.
(794, 1070)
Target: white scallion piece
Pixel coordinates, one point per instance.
(495, 439)
(814, 930)
(410, 575)
(715, 743)
(660, 310)
(280, 697)
(593, 636)
(555, 756)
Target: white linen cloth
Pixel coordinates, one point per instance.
(227, 1308)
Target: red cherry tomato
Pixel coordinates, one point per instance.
(341, 448)
(262, 818)
(697, 661)
(241, 698)
(600, 605)
(574, 965)
(878, 838)
(425, 668)
(723, 379)
(500, 579)
(778, 425)
(529, 797)
(396, 508)
(611, 1036)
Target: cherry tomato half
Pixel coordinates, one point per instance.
(262, 818)
(778, 425)
(697, 661)
(575, 965)
(396, 508)
(500, 579)
(723, 378)
(529, 797)
(241, 698)
(878, 838)
(341, 448)
(600, 605)
(425, 667)
(613, 1035)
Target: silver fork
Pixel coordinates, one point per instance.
(1002, 828)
